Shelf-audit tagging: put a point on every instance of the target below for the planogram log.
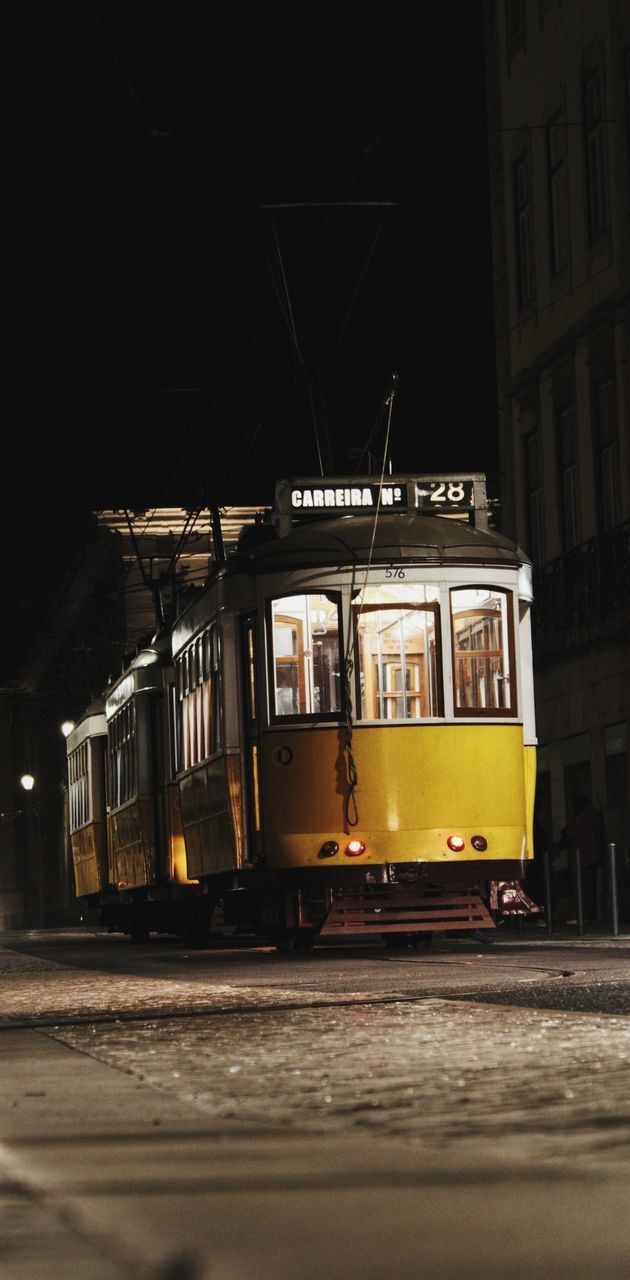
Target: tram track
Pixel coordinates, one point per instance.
(173, 1013)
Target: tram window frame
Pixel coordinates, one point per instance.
(215, 677)
(406, 606)
(122, 771)
(488, 713)
(198, 682)
(79, 787)
(303, 717)
(174, 729)
(249, 669)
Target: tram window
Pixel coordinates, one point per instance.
(483, 648)
(397, 653)
(121, 735)
(199, 703)
(305, 655)
(79, 798)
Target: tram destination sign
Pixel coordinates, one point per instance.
(310, 499)
(456, 495)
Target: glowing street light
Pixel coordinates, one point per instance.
(27, 781)
(67, 727)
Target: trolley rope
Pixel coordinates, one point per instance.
(351, 811)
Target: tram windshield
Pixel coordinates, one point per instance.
(306, 656)
(482, 648)
(397, 658)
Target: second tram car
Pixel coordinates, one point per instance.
(350, 724)
(125, 821)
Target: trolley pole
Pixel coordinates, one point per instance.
(547, 876)
(612, 877)
(577, 865)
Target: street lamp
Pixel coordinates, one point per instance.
(27, 781)
(67, 727)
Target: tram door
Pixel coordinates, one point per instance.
(251, 739)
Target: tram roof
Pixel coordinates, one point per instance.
(403, 536)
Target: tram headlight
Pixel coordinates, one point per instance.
(456, 843)
(329, 849)
(479, 843)
(354, 848)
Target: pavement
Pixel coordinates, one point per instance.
(172, 1117)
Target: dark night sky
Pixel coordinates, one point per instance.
(147, 359)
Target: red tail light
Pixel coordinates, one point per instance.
(456, 843)
(479, 843)
(354, 848)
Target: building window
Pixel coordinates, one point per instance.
(524, 230)
(397, 656)
(483, 649)
(515, 27)
(606, 438)
(595, 141)
(569, 496)
(558, 194)
(534, 498)
(626, 81)
(543, 9)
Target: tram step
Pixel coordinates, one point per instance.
(395, 910)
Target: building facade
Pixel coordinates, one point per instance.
(558, 93)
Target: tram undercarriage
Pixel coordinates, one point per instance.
(396, 903)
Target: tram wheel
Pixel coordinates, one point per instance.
(408, 941)
(422, 941)
(297, 942)
(139, 933)
(196, 930)
(138, 926)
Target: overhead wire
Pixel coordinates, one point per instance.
(351, 810)
(286, 307)
(358, 169)
(123, 73)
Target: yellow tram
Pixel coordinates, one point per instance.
(351, 718)
(356, 710)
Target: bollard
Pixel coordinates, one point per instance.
(547, 877)
(577, 875)
(612, 878)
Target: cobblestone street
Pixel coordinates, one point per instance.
(167, 1108)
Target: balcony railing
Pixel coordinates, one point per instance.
(583, 587)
